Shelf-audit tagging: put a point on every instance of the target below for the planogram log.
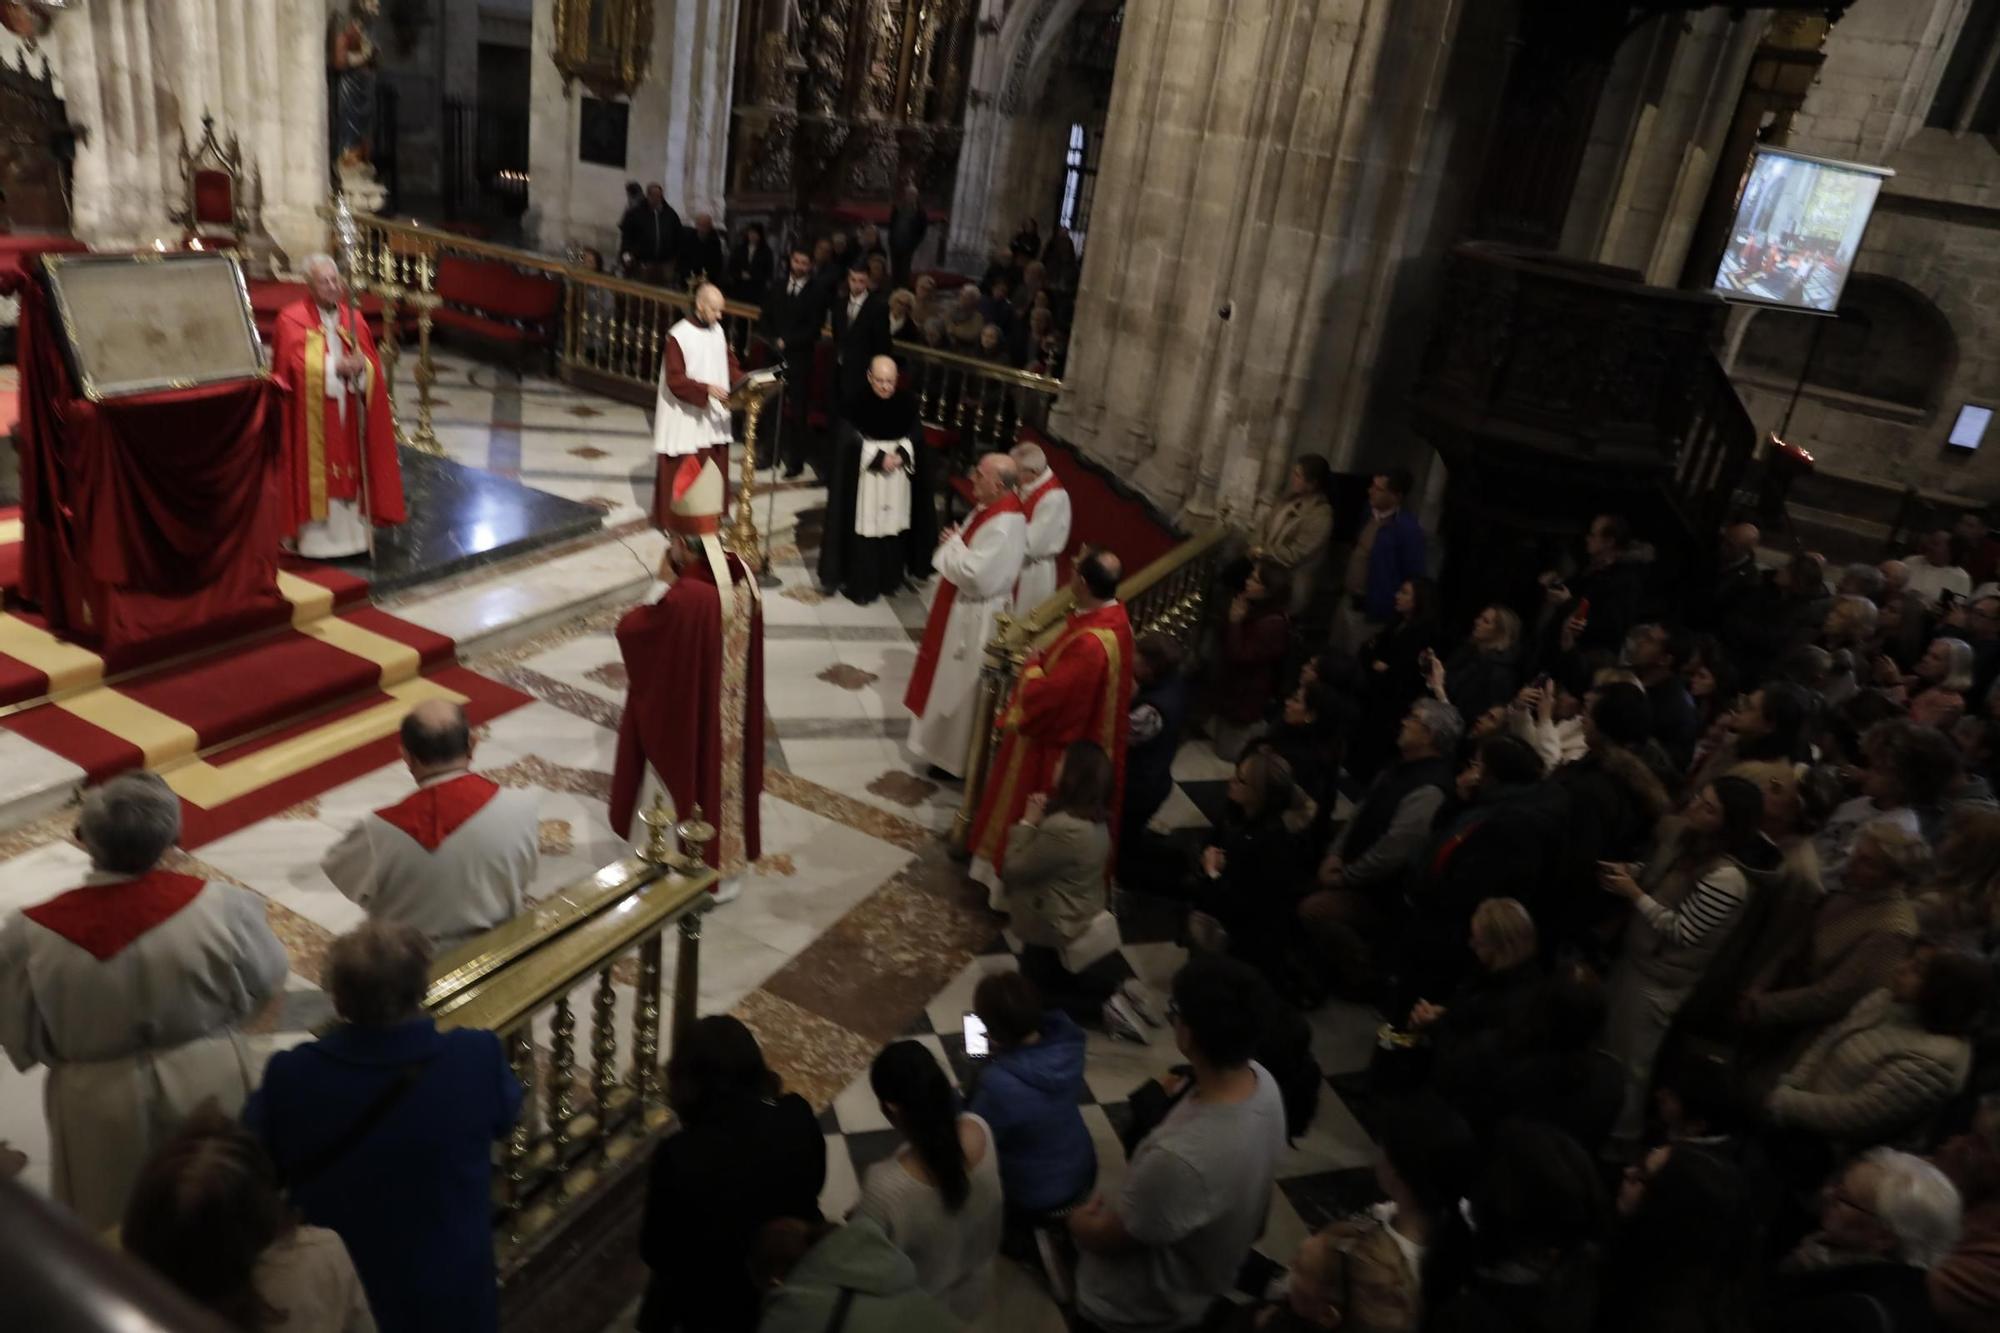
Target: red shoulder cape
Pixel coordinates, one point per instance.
(102, 919)
(432, 814)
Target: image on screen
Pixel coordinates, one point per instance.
(1970, 426)
(1797, 228)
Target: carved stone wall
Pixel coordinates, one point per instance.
(847, 101)
(137, 74)
(1280, 182)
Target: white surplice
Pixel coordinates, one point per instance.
(344, 530)
(477, 877)
(984, 573)
(1048, 533)
(882, 499)
(682, 428)
(135, 1041)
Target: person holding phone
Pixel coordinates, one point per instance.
(1029, 1093)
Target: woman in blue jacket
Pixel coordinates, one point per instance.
(1028, 1094)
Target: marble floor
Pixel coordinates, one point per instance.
(853, 929)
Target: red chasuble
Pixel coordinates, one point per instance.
(432, 814)
(1079, 690)
(674, 651)
(322, 451)
(919, 691)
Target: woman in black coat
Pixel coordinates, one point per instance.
(749, 268)
(1253, 867)
(746, 1153)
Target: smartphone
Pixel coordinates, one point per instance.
(975, 1037)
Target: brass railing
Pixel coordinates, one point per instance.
(612, 331)
(1169, 596)
(597, 946)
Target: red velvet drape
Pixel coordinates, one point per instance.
(145, 519)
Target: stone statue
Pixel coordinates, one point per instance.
(351, 53)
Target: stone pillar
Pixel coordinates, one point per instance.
(138, 74)
(1272, 170)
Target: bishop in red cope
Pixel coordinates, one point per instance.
(341, 472)
(694, 712)
(453, 859)
(1080, 689)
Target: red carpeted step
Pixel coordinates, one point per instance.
(432, 647)
(484, 700)
(235, 693)
(347, 589)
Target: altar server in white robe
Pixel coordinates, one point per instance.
(1045, 502)
(977, 565)
(131, 988)
(453, 859)
(697, 373)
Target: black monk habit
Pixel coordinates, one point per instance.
(865, 568)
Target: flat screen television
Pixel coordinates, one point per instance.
(1798, 225)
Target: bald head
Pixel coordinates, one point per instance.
(993, 478)
(883, 376)
(1098, 573)
(707, 304)
(436, 738)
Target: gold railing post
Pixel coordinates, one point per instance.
(742, 537)
(562, 1074)
(521, 1055)
(391, 351)
(687, 977)
(426, 301)
(646, 1081)
(1004, 656)
(604, 1050)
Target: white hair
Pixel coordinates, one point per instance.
(1918, 1203)
(128, 824)
(1029, 458)
(319, 260)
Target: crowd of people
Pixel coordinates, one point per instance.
(1681, 907)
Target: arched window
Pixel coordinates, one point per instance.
(1889, 345)
(1079, 182)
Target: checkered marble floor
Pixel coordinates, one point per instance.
(1327, 1173)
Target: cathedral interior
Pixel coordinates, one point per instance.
(1689, 262)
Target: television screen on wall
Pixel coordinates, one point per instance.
(1798, 226)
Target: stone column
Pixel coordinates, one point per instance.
(1271, 168)
(1009, 68)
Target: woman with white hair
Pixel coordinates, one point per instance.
(1884, 1220)
(131, 988)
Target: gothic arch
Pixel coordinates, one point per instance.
(1009, 70)
(1891, 344)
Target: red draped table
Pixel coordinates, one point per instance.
(148, 521)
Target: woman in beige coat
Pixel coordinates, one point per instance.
(1058, 866)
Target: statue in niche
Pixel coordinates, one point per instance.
(352, 55)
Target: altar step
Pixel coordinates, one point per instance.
(248, 728)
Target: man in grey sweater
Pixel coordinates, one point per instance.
(1198, 1189)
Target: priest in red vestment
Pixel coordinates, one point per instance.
(1079, 690)
(694, 711)
(341, 472)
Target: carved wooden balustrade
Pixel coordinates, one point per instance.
(613, 332)
(573, 988)
(1169, 596)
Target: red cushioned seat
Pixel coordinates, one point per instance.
(497, 301)
(942, 437)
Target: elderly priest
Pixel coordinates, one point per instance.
(131, 988)
(977, 566)
(453, 859)
(341, 470)
(691, 418)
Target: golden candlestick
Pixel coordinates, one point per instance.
(742, 536)
(390, 350)
(425, 437)
(695, 833)
(659, 822)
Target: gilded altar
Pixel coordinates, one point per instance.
(847, 101)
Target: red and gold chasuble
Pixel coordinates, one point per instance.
(323, 445)
(1079, 690)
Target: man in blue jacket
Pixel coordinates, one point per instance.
(1028, 1095)
(1388, 553)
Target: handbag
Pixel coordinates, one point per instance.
(1099, 940)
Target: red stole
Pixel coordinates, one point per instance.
(432, 814)
(919, 692)
(101, 919)
(1079, 690)
(1051, 483)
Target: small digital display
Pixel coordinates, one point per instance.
(1970, 428)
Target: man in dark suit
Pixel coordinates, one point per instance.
(860, 334)
(649, 238)
(702, 250)
(794, 310)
